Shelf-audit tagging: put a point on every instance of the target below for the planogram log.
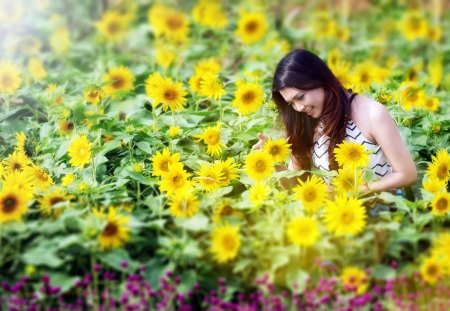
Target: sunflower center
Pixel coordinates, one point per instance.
(226, 210)
(113, 27)
(309, 195)
(251, 27)
(9, 204)
(170, 94)
(118, 82)
(347, 217)
(364, 77)
(41, 176)
(212, 139)
(248, 97)
(69, 126)
(275, 150)
(229, 242)
(6, 81)
(110, 230)
(177, 180)
(16, 166)
(442, 204)
(164, 166)
(432, 270)
(174, 23)
(354, 155)
(260, 165)
(442, 171)
(56, 200)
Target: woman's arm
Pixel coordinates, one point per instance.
(387, 136)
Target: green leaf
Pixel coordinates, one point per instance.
(196, 223)
(383, 272)
(144, 146)
(44, 254)
(62, 280)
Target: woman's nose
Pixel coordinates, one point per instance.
(300, 108)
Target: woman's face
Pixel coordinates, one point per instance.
(308, 101)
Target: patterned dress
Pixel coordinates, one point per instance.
(377, 160)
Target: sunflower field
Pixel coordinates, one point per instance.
(128, 179)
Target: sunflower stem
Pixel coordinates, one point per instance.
(220, 110)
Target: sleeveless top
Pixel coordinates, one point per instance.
(377, 160)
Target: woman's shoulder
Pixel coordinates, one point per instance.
(368, 110)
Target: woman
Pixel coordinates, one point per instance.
(318, 113)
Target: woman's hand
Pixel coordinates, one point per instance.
(261, 142)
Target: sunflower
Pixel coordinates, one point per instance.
(93, 94)
(161, 161)
(210, 86)
(211, 137)
(441, 247)
(311, 193)
(354, 279)
(432, 270)
(210, 14)
(430, 103)
(80, 151)
(67, 179)
(174, 131)
(225, 242)
(152, 82)
(169, 23)
(165, 57)
(49, 203)
(248, 98)
(65, 127)
(252, 26)
(258, 164)
(433, 185)
(227, 170)
(224, 209)
(323, 25)
(303, 231)
(413, 25)
(60, 41)
(21, 140)
(436, 70)
(441, 204)
(20, 180)
(410, 95)
(345, 216)
(112, 25)
(41, 178)
(351, 154)
(36, 69)
(348, 180)
(118, 80)
(208, 178)
(168, 93)
(184, 205)
(279, 149)
(9, 77)
(13, 204)
(440, 167)
(16, 161)
(207, 66)
(258, 193)
(175, 181)
(115, 233)
(195, 83)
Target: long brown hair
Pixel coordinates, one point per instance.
(304, 70)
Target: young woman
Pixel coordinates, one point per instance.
(318, 113)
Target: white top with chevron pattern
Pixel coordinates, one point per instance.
(377, 160)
